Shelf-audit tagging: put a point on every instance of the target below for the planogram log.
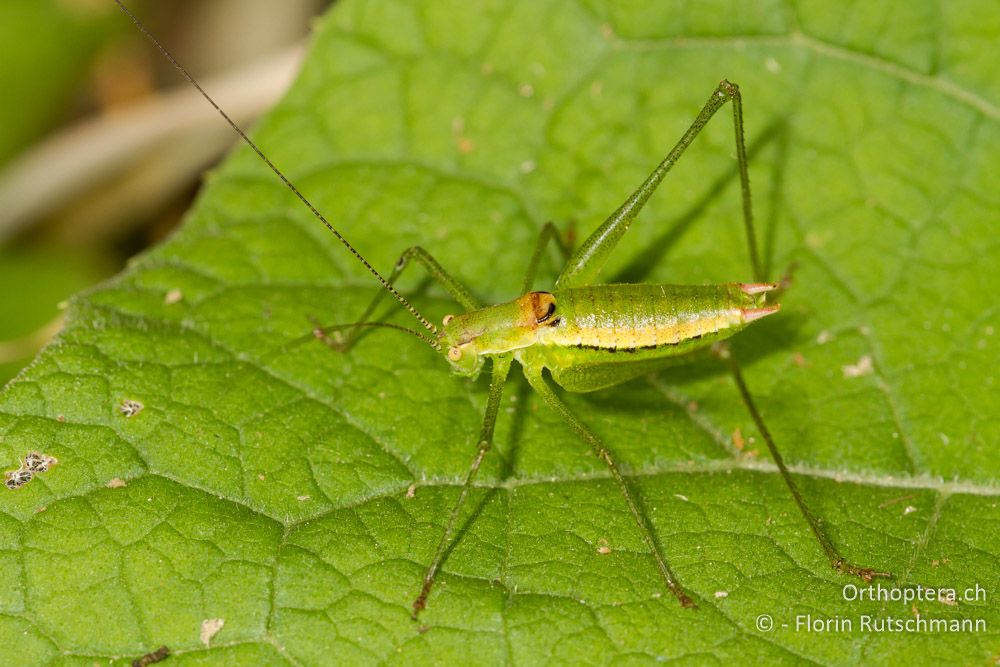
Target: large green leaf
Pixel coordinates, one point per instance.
(299, 494)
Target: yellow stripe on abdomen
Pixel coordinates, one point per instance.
(591, 332)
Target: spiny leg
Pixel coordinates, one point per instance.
(548, 234)
(436, 271)
(553, 401)
(501, 366)
(836, 560)
(586, 263)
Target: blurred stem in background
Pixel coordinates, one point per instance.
(95, 165)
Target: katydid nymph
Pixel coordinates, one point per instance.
(582, 335)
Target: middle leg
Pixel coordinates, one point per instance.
(601, 451)
(548, 234)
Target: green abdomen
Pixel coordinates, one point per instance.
(635, 318)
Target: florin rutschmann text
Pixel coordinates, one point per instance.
(914, 620)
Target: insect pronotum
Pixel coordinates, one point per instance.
(587, 335)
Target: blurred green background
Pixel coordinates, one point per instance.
(95, 165)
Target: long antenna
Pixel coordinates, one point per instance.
(284, 179)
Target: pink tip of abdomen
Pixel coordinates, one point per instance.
(757, 288)
(751, 314)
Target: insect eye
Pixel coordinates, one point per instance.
(548, 313)
(454, 354)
